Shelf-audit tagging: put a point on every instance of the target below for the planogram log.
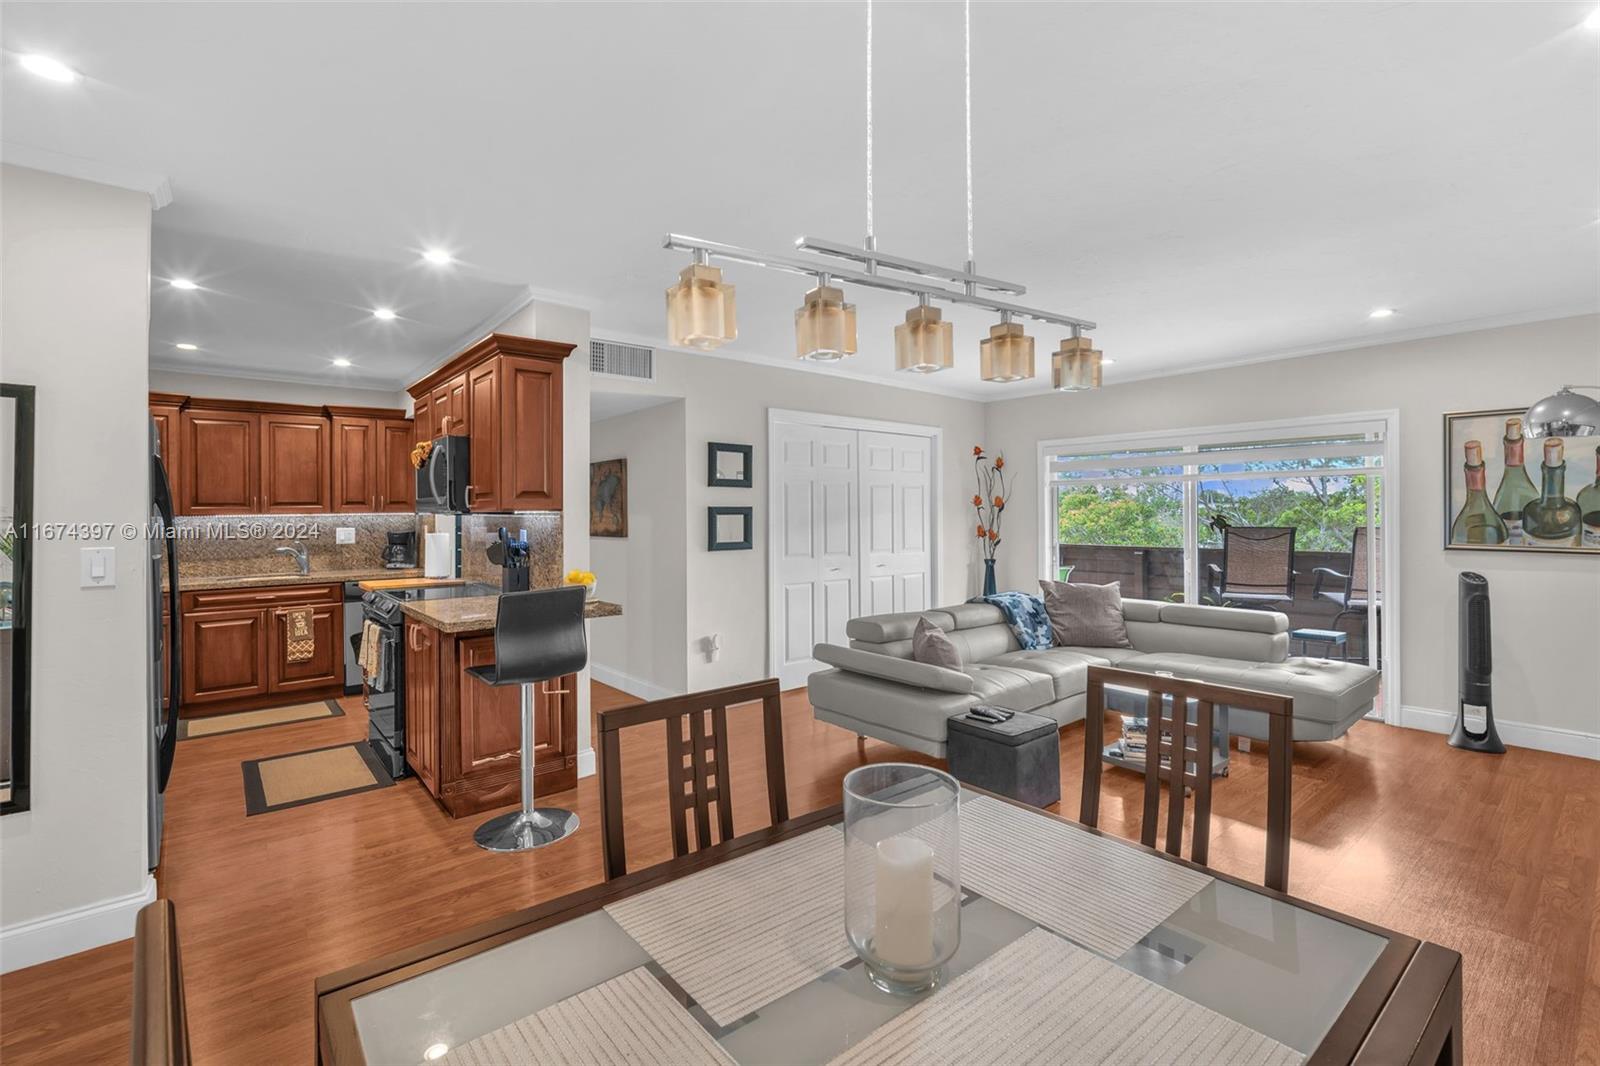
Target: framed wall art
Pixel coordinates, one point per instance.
(729, 465)
(608, 498)
(730, 529)
(1505, 492)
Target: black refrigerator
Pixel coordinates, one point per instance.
(163, 687)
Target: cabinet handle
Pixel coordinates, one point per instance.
(548, 691)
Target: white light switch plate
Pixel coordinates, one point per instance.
(98, 568)
(344, 534)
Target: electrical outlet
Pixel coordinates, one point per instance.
(344, 534)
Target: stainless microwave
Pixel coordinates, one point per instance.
(443, 477)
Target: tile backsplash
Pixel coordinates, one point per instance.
(478, 531)
(242, 545)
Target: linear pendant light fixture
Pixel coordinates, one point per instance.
(700, 308)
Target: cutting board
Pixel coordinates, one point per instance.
(378, 584)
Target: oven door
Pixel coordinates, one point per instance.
(386, 700)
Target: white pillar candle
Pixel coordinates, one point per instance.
(903, 907)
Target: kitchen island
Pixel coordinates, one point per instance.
(463, 737)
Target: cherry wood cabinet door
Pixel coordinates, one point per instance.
(530, 447)
(450, 416)
(224, 656)
(396, 477)
(422, 418)
(169, 432)
(422, 703)
(490, 732)
(326, 665)
(219, 452)
(295, 464)
(483, 422)
(355, 464)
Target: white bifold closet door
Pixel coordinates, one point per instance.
(852, 530)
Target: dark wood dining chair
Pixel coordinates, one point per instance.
(160, 1023)
(697, 765)
(1184, 744)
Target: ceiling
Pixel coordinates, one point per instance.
(1211, 183)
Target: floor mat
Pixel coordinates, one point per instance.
(218, 724)
(294, 780)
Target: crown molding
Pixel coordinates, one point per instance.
(155, 186)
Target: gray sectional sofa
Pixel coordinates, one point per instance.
(876, 689)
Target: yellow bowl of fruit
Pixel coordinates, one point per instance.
(584, 578)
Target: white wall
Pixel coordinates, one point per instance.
(1546, 608)
(75, 260)
(570, 325)
(643, 652)
(727, 400)
(228, 387)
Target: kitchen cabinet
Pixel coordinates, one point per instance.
(235, 652)
(464, 738)
(372, 461)
(422, 417)
(166, 411)
(422, 702)
(295, 463)
(510, 393)
(220, 461)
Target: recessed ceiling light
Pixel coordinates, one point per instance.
(1382, 312)
(45, 67)
(1593, 21)
(438, 257)
(385, 313)
(185, 346)
(341, 361)
(435, 1051)
(1106, 360)
(183, 283)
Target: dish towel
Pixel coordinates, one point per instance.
(1026, 616)
(369, 650)
(302, 638)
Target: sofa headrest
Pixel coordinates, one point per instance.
(1244, 621)
(884, 628)
(1142, 610)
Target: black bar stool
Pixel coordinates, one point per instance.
(538, 636)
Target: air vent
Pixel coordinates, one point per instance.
(622, 360)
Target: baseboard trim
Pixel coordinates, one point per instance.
(586, 763)
(633, 686)
(69, 932)
(1518, 734)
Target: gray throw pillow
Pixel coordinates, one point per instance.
(929, 644)
(1085, 616)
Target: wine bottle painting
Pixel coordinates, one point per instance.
(1507, 492)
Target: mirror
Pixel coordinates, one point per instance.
(16, 519)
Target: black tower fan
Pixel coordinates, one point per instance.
(1475, 666)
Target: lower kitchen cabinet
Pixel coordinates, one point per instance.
(236, 649)
(476, 729)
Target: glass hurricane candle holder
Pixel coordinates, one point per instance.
(902, 873)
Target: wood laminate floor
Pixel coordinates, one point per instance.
(1496, 857)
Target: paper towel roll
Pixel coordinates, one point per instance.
(437, 558)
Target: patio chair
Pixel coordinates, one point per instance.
(1352, 590)
(1257, 567)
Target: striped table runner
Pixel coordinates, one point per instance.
(628, 1019)
(1099, 892)
(739, 935)
(1041, 999)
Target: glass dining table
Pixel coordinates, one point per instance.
(1319, 986)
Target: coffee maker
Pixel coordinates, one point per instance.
(401, 551)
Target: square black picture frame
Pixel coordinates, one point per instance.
(747, 451)
(745, 544)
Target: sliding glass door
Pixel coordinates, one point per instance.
(1283, 518)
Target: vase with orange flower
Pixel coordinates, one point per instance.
(990, 504)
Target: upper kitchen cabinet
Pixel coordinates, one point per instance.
(166, 411)
(372, 460)
(505, 395)
(295, 456)
(220, 456)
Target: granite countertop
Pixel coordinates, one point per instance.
(475, 614)
(189, 583)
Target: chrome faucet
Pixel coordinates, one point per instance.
(302, 558)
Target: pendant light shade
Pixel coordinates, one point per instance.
(825, 326)
(1075, 366)
(1564, 414)
(700, 309)
(924, 344)
(1006, 354)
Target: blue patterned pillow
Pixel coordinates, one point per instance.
(1027, 617)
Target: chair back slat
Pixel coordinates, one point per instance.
(698, 774)
(1188, 768)
(160, 1020)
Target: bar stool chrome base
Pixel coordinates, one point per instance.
(526, 830)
